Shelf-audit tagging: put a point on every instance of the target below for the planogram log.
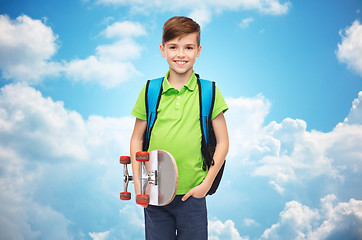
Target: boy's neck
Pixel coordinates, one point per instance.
(179, 80)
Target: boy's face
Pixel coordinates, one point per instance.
(181, 53)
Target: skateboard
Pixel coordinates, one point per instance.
(158, 178)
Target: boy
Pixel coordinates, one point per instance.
(177, 130)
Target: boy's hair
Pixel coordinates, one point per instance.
(177, 27)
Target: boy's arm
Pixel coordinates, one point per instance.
(221, 150)
(135, 146)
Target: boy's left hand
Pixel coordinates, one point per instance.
(197, 192)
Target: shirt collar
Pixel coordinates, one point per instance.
(191, 84)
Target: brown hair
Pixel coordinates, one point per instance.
(177, 27)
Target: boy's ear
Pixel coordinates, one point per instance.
(162, 48)
(198, 51)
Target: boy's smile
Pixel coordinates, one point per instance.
(181, 54)
(181, 63)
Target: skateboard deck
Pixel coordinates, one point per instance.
(158, 178)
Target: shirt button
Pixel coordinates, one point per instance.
(178, 97)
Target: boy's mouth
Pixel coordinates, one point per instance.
(180, 62)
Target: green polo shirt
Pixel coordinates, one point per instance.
(177, 128)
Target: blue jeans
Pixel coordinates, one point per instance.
(177, 220)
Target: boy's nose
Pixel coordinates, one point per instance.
(181, 53)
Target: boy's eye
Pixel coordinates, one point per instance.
(190, 48)
(172, 47)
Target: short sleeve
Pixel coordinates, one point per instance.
(139, 110)
(219, 104)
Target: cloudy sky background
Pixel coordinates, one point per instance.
(291, 72)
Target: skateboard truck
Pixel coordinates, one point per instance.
(143, 198)
(145, 178)
(158, 177)
(125, 160)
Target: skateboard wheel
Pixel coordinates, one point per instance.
(125, 196)
(142, 156)
(143, 199)
(124, 160)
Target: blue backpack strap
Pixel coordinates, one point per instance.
(207, 98)
(208, 144)
(152, 99)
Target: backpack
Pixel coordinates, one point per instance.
(207, 98)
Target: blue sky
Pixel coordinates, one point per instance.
(291, 72)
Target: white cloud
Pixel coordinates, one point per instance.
(119, 51)
(274, 7)
(104, 72)
(58, 172)
(99, 236)
(302, 156)
(29, 121)
(124, 29)
(245, 22)
(286, 153)
(27, 46)
(219, 230)
(246, 116)
(201, 15)
(111, 65)
(205, 9)
(350, 49)
(134, 215)
(250, 222)
(332, 221)
(20, 216)
(355, 114)
(26, 49)
(295, 154)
